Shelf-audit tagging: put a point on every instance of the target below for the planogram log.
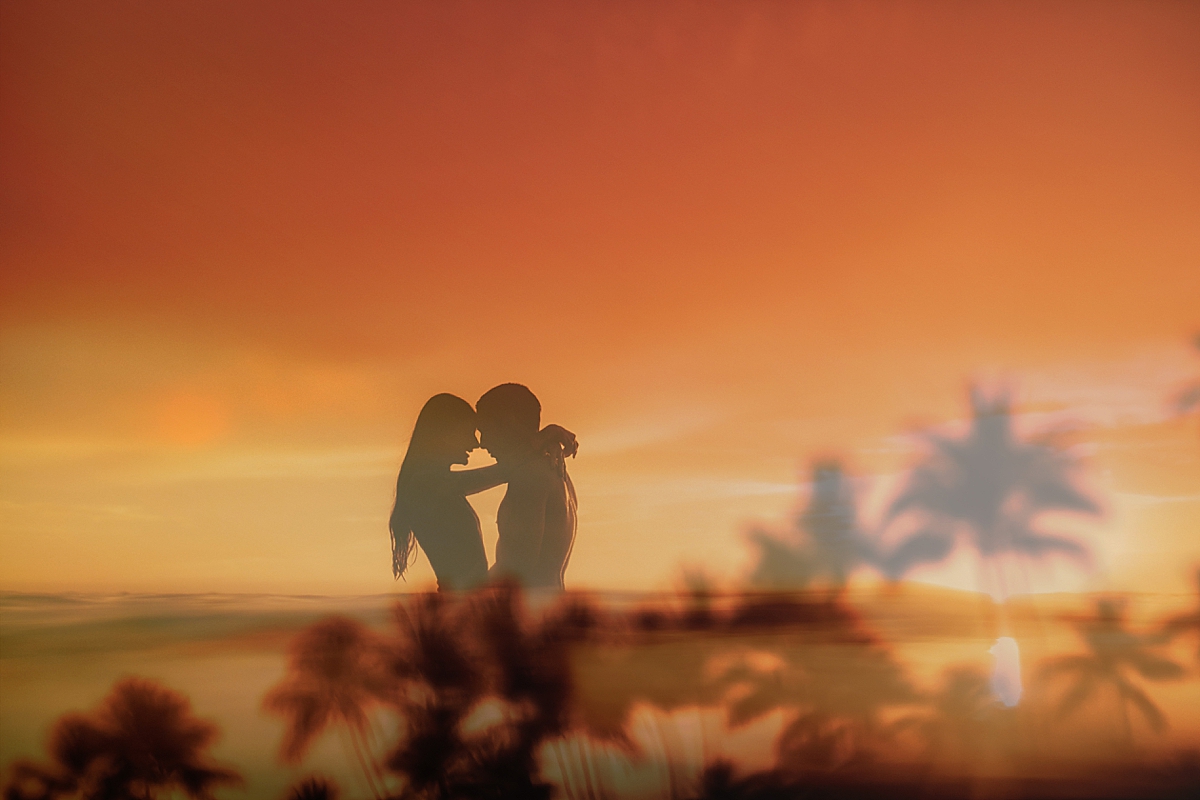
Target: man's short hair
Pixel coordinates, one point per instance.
(513, 403)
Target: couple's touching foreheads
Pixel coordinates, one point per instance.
(536, 518)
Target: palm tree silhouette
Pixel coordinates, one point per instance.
(781, 564)
(658, 660)
(720, 781)
(1112, 650)
(1184, 623)
(436, 649)
(446, 660)
(963, 718)
(826, 540)
(990, 488)
(451, 660)
(533, 675)
(1188, 399)
(143, 742)
(314, 789)
(699, 591)
(838, 678)
(336, 675)
(439, 666)
(847, 688)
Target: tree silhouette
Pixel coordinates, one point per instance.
(990, 488)
(335, 676)
(699, 590)
(448, 661)
(963, 719)
(143, 742)
(1189, 622)
(1112, 651)
(1188, 399)
(441, 682)
(452, 661)
(314, 789)
(658, 660)
(781, 564)
(719, 781)
(837, 677)
(826, 540)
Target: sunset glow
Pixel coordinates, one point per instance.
(243, 242)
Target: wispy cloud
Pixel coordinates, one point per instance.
(1136, 389)
(652, 429)
(1155, 500)
(261, 465)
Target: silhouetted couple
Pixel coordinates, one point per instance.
(536, 519)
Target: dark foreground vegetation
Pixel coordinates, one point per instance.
(494, 695)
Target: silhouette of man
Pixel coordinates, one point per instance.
(536, 518)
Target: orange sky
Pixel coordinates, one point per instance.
(243, 242)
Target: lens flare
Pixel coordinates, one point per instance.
(1006, 672)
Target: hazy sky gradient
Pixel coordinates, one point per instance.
(243, 242)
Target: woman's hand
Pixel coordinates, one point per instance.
(556, 435)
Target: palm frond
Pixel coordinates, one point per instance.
(925, 489)
(1033, 543)
(1056, 666)
(988, 484)
(1144, 704)
(1152, 666)
(779, 565)
(1056, 492)
(314, 789)
(768, 694)
(1075, 697)
(307, 717)
(925, 546)
(1188, 400)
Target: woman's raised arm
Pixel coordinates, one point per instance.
(473, 481)
(556, 435)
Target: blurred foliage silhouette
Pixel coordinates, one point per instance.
(826, 542)
(314, 789)
(482, 695)
(959, 713)
(142, 742)
(336, 675)
(453, 662)
(990, 488)
(837, 677)
(449, 662)
(1112, 650)
(1187, 623)
(1188, 399)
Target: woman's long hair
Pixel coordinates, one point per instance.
(440, 415)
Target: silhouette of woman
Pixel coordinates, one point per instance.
(431, 507)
